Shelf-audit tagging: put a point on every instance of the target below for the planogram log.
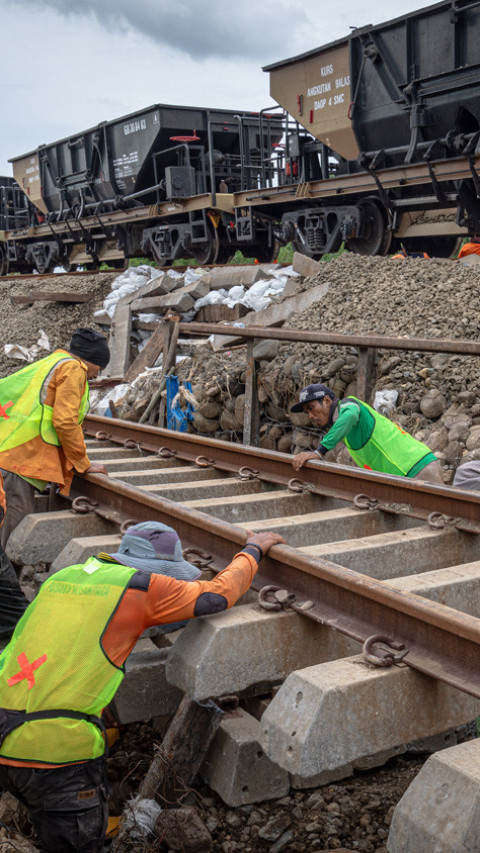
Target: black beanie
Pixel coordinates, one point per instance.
(90, 345)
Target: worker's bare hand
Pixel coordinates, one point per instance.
(301, 458)
(264, 540)
(96, 468)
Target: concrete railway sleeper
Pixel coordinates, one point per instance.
(313, 707)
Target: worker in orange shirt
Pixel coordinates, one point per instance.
(42, 407)
(66, 660)
(470, 248)
(12, 600)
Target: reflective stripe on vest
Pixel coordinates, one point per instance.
(55, 659)
(388, 449)
(28, 416)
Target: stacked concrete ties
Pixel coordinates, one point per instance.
(312, 710)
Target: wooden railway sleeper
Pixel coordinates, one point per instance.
(390, 651)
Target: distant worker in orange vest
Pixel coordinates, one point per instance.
(42, 407)
(471, 248)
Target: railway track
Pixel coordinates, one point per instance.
(368, 556)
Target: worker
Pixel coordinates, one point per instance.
(372, 440)
(470, 248)
(12, 600)
(42, 407)
(467, 476)
(65, 663)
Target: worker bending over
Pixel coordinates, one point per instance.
(43, 407)
(65, 663)
(372, 440)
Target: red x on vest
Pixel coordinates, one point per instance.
(3, 413)
(26, 670)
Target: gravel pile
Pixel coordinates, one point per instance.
(21, 324)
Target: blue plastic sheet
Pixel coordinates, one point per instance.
(177, 418)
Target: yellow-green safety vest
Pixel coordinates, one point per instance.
(24, 414)
(55, 662)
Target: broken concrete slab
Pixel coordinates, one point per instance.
(145, 692)
(277, 313)
(41, 536)
(236, 766)
(219, 654)
(305, 266)
(440, 811)
(223, 278)
(179, 300)
(119, 342)
(308, 727)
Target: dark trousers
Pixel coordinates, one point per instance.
(67, 805)
(12, 600)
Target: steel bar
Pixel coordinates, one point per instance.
(394, 494)
(441, 642)
(462, 347)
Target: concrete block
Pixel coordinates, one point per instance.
(145, 692)
(304, 265)
(146, 476)
(216, 488)
(263, 505)
(458, 586)
(78, 550)
(329, 715)
(401, 552)
(236, 766)
(180, 300)
(218, 654)
(330, 525)
(440, 811)
(227, 277)
(41, 536)
(276, 314)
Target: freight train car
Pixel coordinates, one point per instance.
(158, 182)
(394, 111)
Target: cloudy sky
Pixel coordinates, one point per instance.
(66, 65)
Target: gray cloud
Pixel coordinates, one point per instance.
(201, 30)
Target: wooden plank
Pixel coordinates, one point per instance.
(365, 372)
(119, 341)
(251, 418)
(54, 296)
(148, 355)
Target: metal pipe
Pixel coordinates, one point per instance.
(461, 347)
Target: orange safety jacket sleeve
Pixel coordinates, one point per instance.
(65, 392)
(169, 600)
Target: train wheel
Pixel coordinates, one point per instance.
(266, 254)
(207, 252)
(376, 236)
(3, 261)
(436, 247)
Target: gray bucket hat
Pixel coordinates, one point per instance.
(153, 547)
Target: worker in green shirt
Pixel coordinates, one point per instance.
(372, 440)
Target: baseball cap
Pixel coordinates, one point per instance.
(317, 391)
(154, 547)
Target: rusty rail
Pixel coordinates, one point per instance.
(441, 642)
(399, 495)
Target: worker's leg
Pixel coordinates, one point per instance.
(12, 600)
(20, 497)
(67, 805)
(432, 473)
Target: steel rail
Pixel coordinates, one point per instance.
(441, 642)
(399, 495)
(461, 347)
